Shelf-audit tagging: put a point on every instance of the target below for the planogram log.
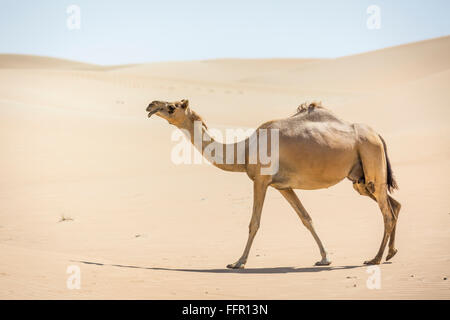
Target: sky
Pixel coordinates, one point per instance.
(136, 31)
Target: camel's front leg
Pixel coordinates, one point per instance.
(295, 202)
(259, 193)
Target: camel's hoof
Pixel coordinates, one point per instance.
(323, 262)
(236, 265)
(391, 254)
(373, 261)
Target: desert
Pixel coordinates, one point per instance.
(86, 180)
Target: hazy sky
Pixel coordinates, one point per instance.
(129, 31)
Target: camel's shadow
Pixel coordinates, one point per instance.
(248, 270)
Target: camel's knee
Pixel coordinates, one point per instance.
(390, 225)
(395, 205)
(389, 218)
(307, 222)
(253, 227)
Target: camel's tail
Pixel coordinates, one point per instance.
(391, 183)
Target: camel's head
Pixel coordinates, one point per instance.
(174, 112)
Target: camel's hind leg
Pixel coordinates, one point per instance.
(395, 207)
(373, 183)
(389, 223)
(294, 201)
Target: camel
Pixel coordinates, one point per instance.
(316, 150)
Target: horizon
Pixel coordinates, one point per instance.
(112, 33)
(223, 58)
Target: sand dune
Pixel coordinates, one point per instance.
(23, 61)
(76, 143)
(367, 72)
(216, 71)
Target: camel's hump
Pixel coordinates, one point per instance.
(314, 111)
(309, 120)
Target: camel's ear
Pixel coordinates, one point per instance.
(184, 103)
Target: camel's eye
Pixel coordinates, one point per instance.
(171, 109)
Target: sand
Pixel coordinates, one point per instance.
(87, 180)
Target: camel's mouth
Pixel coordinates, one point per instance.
(152, 112)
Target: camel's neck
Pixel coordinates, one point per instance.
(227, 157)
